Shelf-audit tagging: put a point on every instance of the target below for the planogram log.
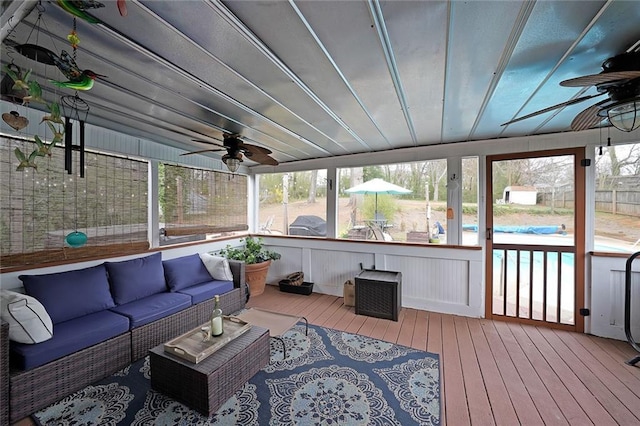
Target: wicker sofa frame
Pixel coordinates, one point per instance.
(32, 390)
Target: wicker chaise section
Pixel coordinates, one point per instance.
(4, 373)
(34, 389)
(147, 336)
(26, 392)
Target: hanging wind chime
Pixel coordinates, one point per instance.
(77, 109)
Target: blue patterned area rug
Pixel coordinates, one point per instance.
(328, 378)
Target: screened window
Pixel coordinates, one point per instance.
(404, 202)
(196, 204)
(293, 203)
(41, 207)
(617, 198)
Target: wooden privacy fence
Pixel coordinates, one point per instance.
(607, 201)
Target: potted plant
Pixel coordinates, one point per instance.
(257, 259)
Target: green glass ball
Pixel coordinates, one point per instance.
(76, 239)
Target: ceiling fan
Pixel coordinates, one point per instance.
(620, 81)
(236, 148)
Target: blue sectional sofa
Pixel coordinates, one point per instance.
(106, 316)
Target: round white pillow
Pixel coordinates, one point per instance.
(27, 318)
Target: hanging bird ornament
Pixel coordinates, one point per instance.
(44, 148)
(35, 94)
(25, 161)
(19, 81)
(57, 134)
(77, 79)
(54, 114)
(78, 8)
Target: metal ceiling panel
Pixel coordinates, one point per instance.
(479, 32)
(418, 31)
(247, 75)
(612, 30)
(321, 78)
(548, 34)
(345, 28)
(306, 56)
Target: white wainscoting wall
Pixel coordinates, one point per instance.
(439, 279)
(607, 297)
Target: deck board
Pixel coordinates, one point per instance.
(497, 372)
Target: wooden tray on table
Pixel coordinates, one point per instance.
(192, 347)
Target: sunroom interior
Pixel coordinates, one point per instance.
(342, 91)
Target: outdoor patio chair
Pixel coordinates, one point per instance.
(266, 226)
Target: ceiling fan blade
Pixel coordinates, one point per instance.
(551, 108)
(207, 142)
(254, 149)
(588, 117)
(203, 150)
(596, 79)
(264, 159)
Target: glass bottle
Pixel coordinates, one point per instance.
(216, 323)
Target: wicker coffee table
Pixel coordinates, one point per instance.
(207, 385)
(277, 323)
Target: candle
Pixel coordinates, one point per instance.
(216, 326)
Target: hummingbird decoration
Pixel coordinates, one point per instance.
(78, 7)
(43, 148)
(25, 161)
(77, 79)
(19, 81)
(35, 94)
(57, 135)
(54, 116)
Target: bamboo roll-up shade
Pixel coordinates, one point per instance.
(40, 207)
(198, 201)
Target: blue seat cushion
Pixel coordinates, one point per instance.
(151, 308)
(136, 278)
(205, 291)
(185, 271)
(72, 294)
(69, 337)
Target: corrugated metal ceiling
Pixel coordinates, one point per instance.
(313, 79)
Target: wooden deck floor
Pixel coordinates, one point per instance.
(496, 372)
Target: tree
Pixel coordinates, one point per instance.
(313, 185)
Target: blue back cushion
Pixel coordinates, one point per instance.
(72, 294)
(185, 271)
(136, 278)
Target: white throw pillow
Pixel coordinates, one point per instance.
(217, 266)
(28, 321)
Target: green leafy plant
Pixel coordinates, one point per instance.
(252, 252)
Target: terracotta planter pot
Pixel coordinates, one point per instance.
(256, 275)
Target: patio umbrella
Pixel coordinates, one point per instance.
(378, 186)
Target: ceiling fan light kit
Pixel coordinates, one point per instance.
(626, 116)
(232, 164)
(236, 148)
